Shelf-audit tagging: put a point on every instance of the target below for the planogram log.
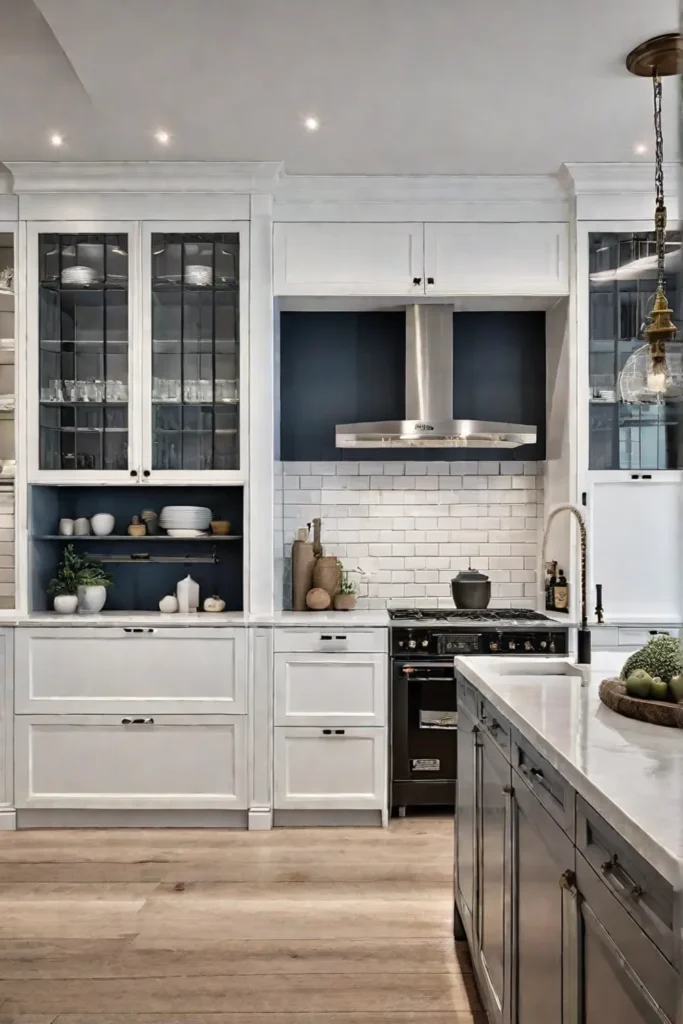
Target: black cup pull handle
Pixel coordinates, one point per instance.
(417, 280)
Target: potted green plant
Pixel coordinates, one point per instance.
(93, 581)
(63, 588)
(347, 595)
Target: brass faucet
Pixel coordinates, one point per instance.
(583, 636)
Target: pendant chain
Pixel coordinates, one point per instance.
(660, 208)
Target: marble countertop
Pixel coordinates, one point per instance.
(630, 772)
(358, 617)
(134, 619)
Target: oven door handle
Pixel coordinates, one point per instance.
(431, 679)
(414, 665)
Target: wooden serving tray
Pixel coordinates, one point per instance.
(657, 712)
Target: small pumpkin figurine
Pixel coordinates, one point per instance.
(214, 603)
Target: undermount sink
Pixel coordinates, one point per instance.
(538, 666)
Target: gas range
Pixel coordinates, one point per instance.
(447, 632)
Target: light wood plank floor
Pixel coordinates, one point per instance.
(305, 926)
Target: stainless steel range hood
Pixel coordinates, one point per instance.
(429, 419)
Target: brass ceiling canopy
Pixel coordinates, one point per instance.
(661, 56)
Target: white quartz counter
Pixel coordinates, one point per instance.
(630, 772)
(135, 619)
(358, 617)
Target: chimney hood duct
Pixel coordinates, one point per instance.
(429, 419)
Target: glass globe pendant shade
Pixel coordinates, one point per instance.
(654, 373)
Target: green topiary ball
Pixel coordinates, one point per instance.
(661, 656)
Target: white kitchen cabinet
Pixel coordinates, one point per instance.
(330, 768)
(348, 259)
(183, 762)
(131, 671)
(330, 689)
(137, 374)
(636, 547)
(7, 816)
(496, 259)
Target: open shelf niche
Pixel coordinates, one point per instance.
(157, 563)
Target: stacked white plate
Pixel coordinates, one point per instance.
(185, 520)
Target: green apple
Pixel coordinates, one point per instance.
(658, 689)
(676, 687)
(639, 683)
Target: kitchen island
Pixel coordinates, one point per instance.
(569, 847)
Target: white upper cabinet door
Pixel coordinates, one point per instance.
(496, 259)
(636, 548)
(348, 259)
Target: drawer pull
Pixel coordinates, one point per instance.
(613, 867)
(327, 732)
(340, 732)
(137, 721)
(138, 629)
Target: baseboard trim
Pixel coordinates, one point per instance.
(260, 819)
(130, 819)
(327, 819)
(8, 821)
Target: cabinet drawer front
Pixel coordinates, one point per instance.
(640, 890)
(603, 912)
(551, 789)
(630, 637)
(331, 639)
(335, 769)
(328, 689)
(96, 761)
(496, 726)
(101, 670)
(467, 695)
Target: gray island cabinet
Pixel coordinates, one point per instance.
(565, 921)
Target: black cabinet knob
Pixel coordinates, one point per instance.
(430, 280)
(146, 472)
(133, 472)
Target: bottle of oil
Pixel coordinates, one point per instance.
(550, 581)
(561, 593)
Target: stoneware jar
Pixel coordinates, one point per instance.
(65, 604)
(81, 527)
(345, 602)
(66, 529)
(91, 600)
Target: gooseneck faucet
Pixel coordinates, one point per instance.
(583, 634)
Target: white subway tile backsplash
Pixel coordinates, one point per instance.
(415, 524)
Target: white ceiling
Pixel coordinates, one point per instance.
(400, 86)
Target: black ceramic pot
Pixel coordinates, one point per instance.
(471, 590)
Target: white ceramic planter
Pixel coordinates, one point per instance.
(91, 600)
(65, 604)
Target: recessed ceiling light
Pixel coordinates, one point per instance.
(311, 124)
(56, 139)
(640, 149)
(163, 137)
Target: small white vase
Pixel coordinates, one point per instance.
(188, 595)
(65, 604)
(91, 600)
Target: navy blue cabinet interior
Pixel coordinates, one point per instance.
(346, 367)
(137, 587)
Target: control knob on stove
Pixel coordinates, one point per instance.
(543, 645)
(425, 643)
(528, 646)
(412, 644)
(493, 645)
(512, 645)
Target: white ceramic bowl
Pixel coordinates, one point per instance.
(185, 533)
(102, 524)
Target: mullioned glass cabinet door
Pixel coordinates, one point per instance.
(83, 351)
(195, 358)
(622, 282)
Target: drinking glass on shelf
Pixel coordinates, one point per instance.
(69, 391)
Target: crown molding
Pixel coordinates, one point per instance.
(357, 188)
(602, 179)
(31, 177)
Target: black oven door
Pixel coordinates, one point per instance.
(424, 733)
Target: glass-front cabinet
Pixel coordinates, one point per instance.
(622, 270)
(195, 351)
(135, 348)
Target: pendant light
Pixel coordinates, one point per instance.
(653, 374)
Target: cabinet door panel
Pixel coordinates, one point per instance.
(348, 259)
(494, 871)
(621, 556)
(465, 822)
(101, 761)
(497, 259)
(335, 769)
(100, 670)
(543, 854)
(328, 689)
